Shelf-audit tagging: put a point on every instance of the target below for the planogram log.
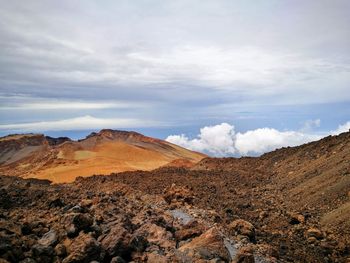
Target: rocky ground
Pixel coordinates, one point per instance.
(291, 205)
(100, 220)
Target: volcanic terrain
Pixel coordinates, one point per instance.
(62, 160)
(289, 205)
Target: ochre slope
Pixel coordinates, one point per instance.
(62, 160)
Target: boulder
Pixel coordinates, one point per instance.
(209, 245)
(155, 234)
(178, 195)
(42, 253)
(191, 230)
(83, 221)
(76, 222)
(116, 241)
(48, 239)
(138, 243)
(84, 248)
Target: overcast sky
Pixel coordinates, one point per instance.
(169, 68)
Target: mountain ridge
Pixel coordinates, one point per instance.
(62, 159)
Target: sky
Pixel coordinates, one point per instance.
(225, 77)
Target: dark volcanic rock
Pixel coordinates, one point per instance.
(116, 242)
(84, 248)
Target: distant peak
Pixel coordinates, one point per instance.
(116, 134)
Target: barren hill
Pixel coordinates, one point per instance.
(62, 160)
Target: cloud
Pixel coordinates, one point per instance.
(341, 128)
(266, 139)
(213, 47)
(222, 140)
(192, 62)
(310, 124)
(218, 140)
(52, 104)
(79, 123)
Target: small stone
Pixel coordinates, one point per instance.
(48, 239)
(242, 227)
(296, 218)
(57, 202)
(314, 232)
(61, 250)
(86, 203)
(77, 209)
(312, 240)
(72, 231)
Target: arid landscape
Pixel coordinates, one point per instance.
(186, 131)
(289, 205)
(62, 160)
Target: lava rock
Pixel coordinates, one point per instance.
(57, 202)
(242, 227)
(42, 253)
(209, 245)
(314, 233)
(61, 250)
(48, 239)
(116, 242)
(244, 255)
(296, 218)
(84, 248)
(76, 222)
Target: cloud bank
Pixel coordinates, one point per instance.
(222, 140)
(80, 123)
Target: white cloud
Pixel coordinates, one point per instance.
(67, 105)
(341, 128)
(266, 139)
(79, 123)
(221, 140)
(19, 102)
(218, 140)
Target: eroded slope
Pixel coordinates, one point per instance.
(62, 160)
